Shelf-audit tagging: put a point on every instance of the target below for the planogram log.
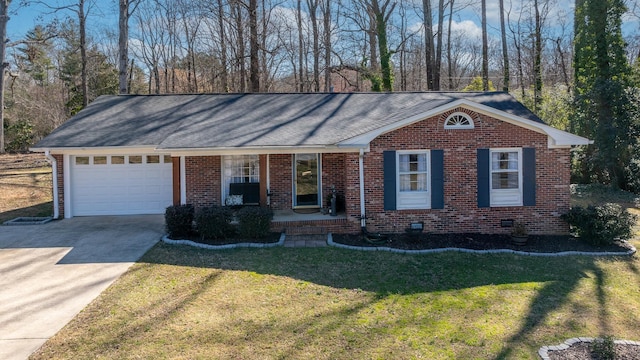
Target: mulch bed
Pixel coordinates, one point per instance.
(273, 237)
(535, 243)
(582, 351)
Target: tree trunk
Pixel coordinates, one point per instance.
(385, 55)
(565, 72)
(241, 47)
(4, 18)
(537, 67)
(83, 53)
(123, 46)
(505, 51)
(428, 43)
(449, 57)
(313, 16)
(373, 43)
(327, 46)
(485, 49)
(254, 69)
(300, 48)
(438, 56)
(223, 48)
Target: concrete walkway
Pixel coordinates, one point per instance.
(314, 240)
(50, 272)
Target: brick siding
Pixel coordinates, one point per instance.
(460, 213)
(203, 180)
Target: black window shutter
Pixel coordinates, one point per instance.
(437, 179)
(483, 178)
(389, 169)
(529, 176)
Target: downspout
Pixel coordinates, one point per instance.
(54, 175)
(268, 185)
(363, 220)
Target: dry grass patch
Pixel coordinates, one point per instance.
(25, 186)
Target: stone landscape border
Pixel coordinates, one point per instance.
(28, 220)
(280, 242)
(330, 242)
(472, 251)
(544, 351)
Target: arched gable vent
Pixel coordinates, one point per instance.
(458, 120)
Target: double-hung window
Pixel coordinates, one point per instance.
(506, 177)
(414, 180)
(240, 169)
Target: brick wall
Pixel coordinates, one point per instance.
(203, 180)
(281, 177)
(461, 213)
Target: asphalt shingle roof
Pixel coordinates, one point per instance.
(251, 120)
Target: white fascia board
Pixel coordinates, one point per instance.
(556, 138)
(267, 150)
(119, 150)
(102, 150)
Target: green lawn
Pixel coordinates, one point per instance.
(185, 303)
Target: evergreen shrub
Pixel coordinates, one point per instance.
(215, 222)
(254, 222)
(179, 220)
(601, 225)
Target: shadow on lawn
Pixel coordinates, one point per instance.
(554, 295)
(385, 273)
(42, 209)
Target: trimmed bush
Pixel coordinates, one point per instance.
(179, 220)
(601, 225)
(215, 222)
(254, 222)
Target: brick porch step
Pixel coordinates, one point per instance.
(305, 230)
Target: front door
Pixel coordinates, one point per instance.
(306, 182)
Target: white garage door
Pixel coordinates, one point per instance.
(120, 184)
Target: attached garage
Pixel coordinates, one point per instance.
(120, 184)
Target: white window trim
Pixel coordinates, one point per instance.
(459, 126)
(402, 198)
(225, 186)
(500, 197)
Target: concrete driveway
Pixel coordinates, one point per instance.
(49, 272)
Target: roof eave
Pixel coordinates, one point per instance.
(556, 138)
(79, 150)
(263, 150)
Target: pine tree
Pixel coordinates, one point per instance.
(34, 54)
